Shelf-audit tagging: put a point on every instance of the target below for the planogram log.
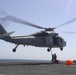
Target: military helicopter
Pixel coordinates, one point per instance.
(46, 38)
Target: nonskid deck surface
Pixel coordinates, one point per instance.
(22, 68)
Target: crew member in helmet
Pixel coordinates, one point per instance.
(54, 57)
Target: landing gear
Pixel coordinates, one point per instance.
(61, 48)
(14, 50)
(48, 49)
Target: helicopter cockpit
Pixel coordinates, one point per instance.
(62, 42)
(58, 41)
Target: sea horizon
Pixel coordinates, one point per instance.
(23, 60)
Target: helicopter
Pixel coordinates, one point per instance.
(46, 38)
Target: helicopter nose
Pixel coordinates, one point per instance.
(65, 43)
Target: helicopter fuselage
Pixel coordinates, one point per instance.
(42, 41)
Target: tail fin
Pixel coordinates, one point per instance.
(4, 32)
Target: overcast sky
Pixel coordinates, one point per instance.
(46, 13)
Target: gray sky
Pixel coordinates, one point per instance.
(46, 13)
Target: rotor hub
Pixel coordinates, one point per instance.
(49, 29)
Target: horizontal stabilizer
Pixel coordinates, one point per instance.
(6, 34)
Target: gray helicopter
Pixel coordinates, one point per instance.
(46, 38)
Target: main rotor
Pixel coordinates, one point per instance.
(17, 20)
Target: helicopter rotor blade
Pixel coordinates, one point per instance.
(69, 32)
(3, 22)
(17, 20)
(70, 21)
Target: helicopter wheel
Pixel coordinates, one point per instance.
(48, 49)
(61, 48)
(14, 50)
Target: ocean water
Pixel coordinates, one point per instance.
(24, 60)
